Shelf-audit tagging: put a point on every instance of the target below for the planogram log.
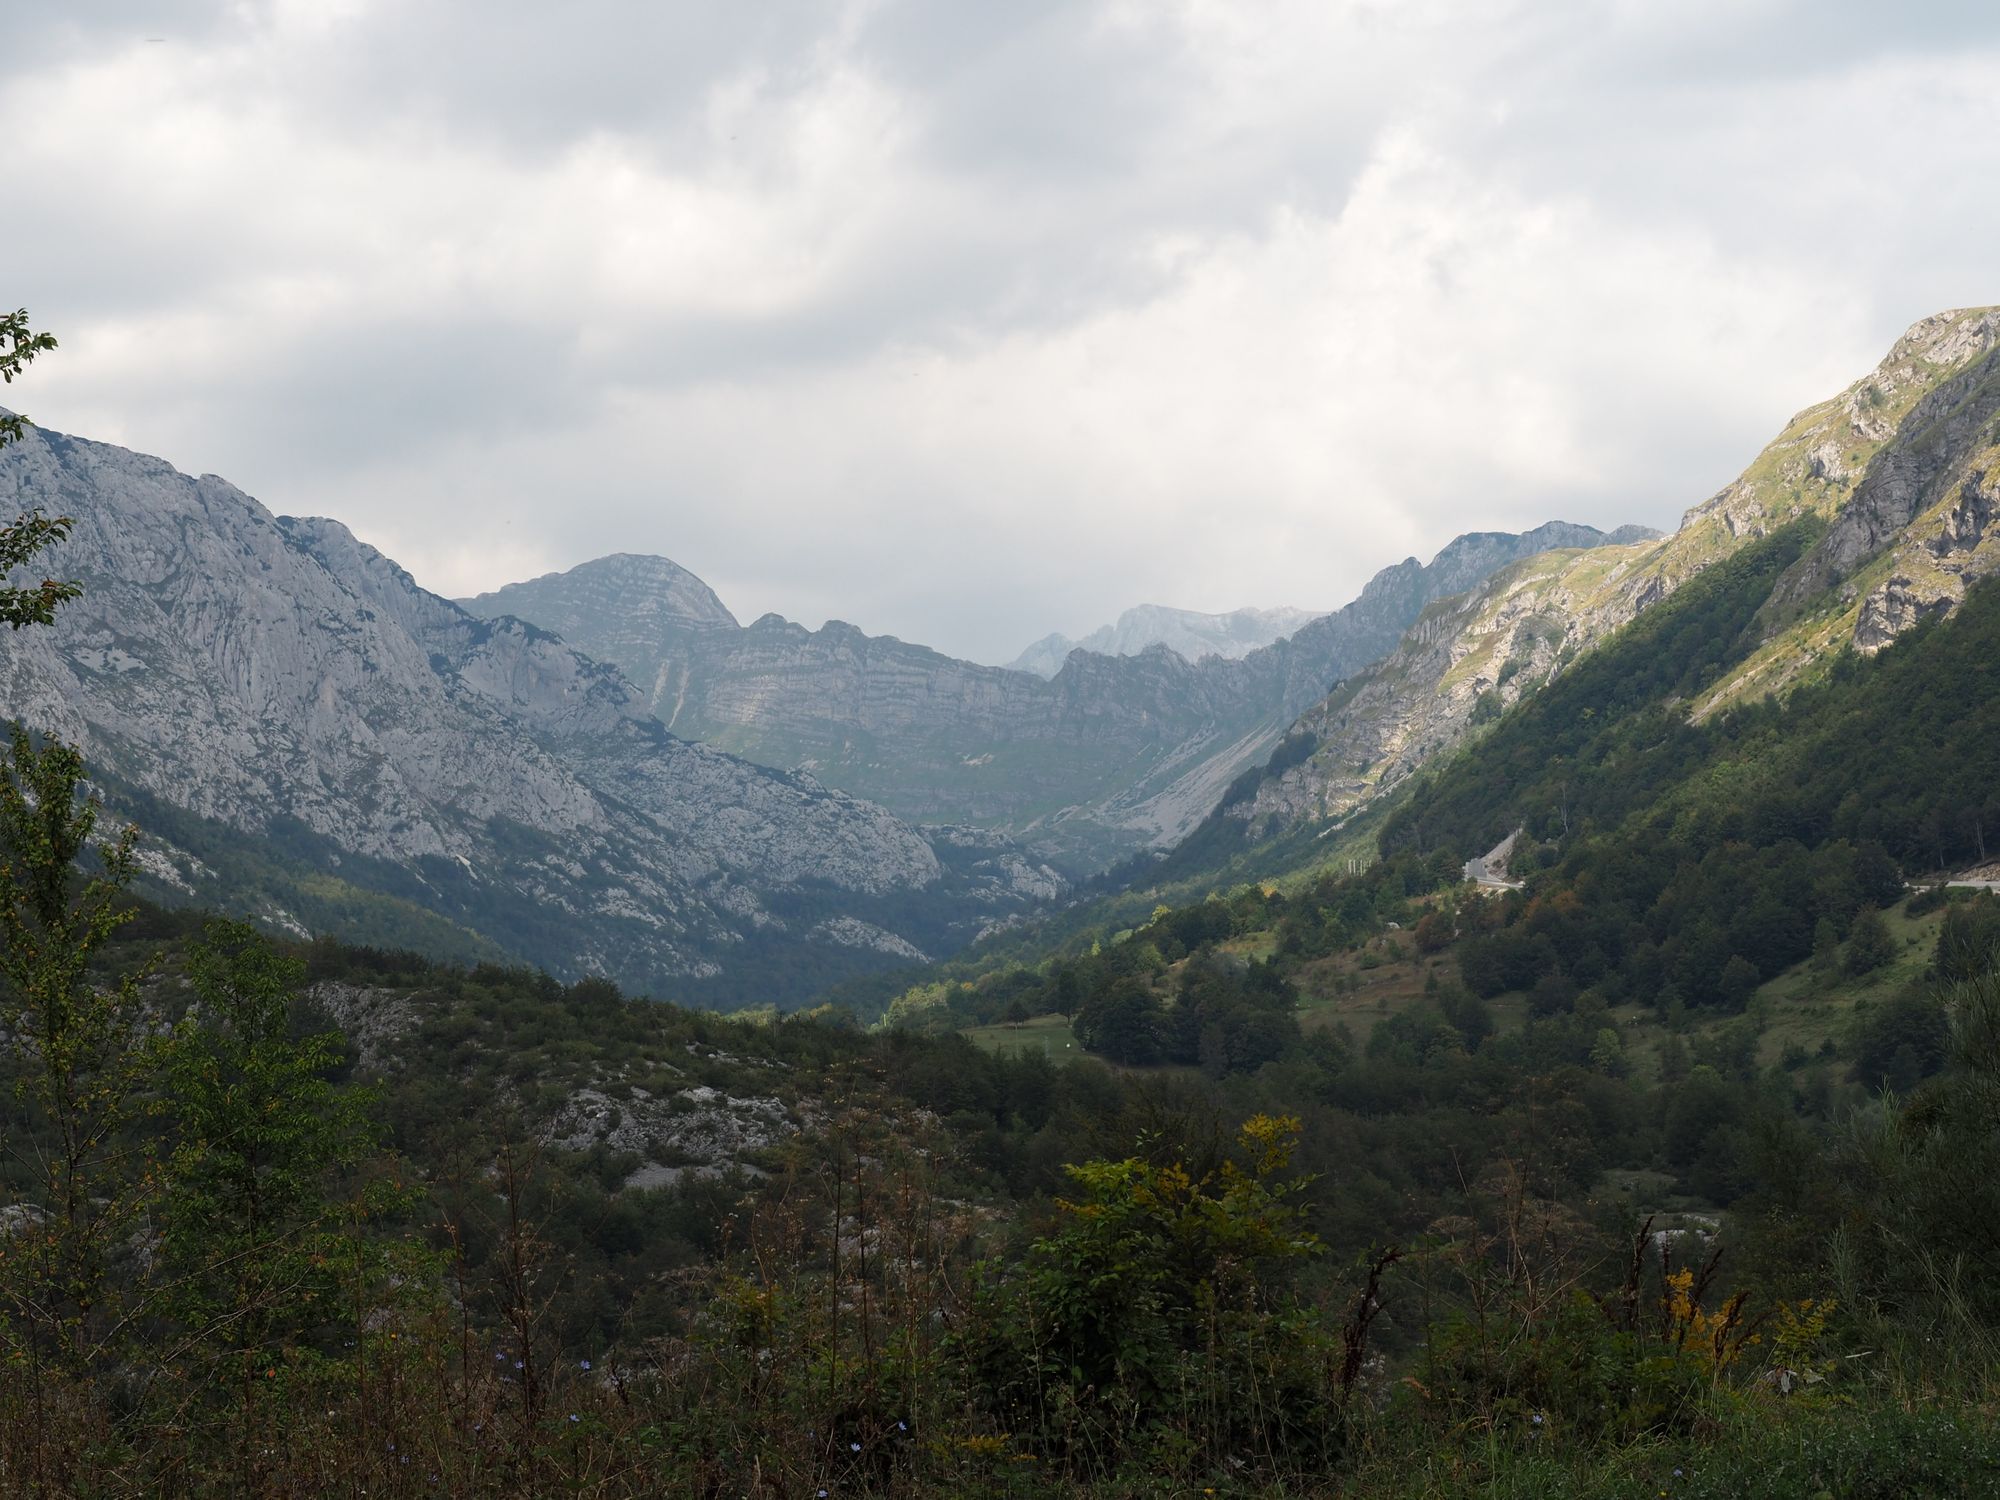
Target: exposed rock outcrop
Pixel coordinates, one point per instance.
(292, 688)
(1187, 633)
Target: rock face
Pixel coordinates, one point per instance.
(1186, 632)
(1112, 754)
(1902, 465)
(289, 698)
(1920, 524)
(635, 608)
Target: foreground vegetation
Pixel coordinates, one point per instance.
(306, 1266)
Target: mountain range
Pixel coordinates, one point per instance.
(1187, 632)
(603, 772)
(1112, 755)
(1901, 469)
(310, 737)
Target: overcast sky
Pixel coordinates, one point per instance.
(966, 321)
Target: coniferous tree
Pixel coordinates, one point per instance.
(250, 1222)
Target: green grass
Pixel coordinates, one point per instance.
(1051, 1034)
(1804, 1006)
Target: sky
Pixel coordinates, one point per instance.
(967, 322)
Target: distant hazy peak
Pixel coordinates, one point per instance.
(1187, 632)
(647, 595)
(1462, 562)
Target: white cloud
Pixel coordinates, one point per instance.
(967, 323)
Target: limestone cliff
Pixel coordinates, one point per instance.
(278, 682)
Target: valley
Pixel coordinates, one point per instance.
(1620, 920)
(880, 751)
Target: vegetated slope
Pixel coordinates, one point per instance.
(1689, 863)
(1113, 754)
(279, 680)
(1612, 732)
(1674, 867)
(1899, 465)
(1902, 748)
(1186, 632)
(653, 1249)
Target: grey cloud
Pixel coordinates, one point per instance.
(1022, 313)
(536, 76)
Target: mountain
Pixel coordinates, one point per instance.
(629, 604)
(1111, 755)
(333, 747)
(1899, 471)
(1186, 632)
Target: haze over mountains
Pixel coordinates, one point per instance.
(1111, 755)
(311, 738)
(1187, 632)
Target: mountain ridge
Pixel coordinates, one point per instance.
(1191, 634)
(1111, 755)
(263, 673)
(1899, 465)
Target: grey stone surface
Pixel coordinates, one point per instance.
(281, 679)
(1186, 632)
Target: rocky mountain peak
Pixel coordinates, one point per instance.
(1897, 465)
(651, 596)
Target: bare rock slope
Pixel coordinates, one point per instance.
(293, 697)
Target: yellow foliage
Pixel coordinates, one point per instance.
(1720, 1336)
(1269, 1140)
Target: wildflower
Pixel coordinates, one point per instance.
(902, 1427)
(517, 1365)
(573, 1417)
(1537, 1419)
(586, 1364)
(853, 1447)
